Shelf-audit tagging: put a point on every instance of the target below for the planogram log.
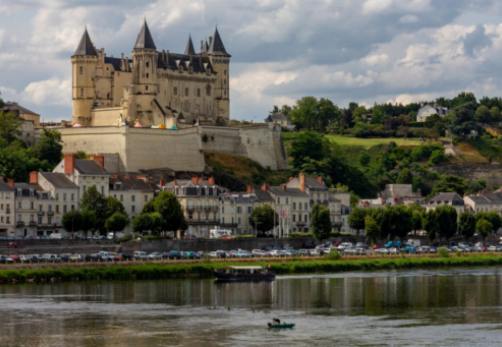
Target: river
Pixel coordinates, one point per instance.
(452, 307)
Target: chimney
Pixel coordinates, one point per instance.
(162, 182)
(301, 178)
(249, 188)
(33, 177)
(11, 183)
(195, 180)
(211, 181)
(264, 187)
(320, 180)
(99, 159)
(284, 187)
(69, 163)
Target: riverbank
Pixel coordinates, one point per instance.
(205, 268)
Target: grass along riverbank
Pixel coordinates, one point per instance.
(204, 269)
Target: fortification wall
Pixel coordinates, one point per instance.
(180, 150)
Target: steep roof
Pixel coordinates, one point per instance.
(18, 109)
(4, 187)
(445, 197)
(85, 47)
(216, 44)
(129, 182)
(59, 180)
(144, 39)
(293, 192)
(89, 167)
(189, 50)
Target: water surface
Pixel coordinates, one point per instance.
(459, 307)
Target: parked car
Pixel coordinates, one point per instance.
(140, 255)
(154, 256)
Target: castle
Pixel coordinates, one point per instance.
(161, 110)
(154, 88)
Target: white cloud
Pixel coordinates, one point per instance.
(53, 91)
(375, 59)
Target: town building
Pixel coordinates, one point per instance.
(484, 202)
(153, 87)
(280, 119)
(7, 202)
(446, 198)
(292, 206)
(400, 194)
(133, 191)
(30, 122)
(200, 201)
(428, 110)
(236, 209)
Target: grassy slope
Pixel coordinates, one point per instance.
(204, 269)
(370, 142)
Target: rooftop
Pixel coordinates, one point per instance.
(89, 167)
(59, 180)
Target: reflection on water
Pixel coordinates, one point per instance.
(437, 307)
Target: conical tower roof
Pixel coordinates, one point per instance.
(144, 39)
(189, 50)
(216, 44)
(85, 47)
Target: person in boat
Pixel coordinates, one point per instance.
(276, 320)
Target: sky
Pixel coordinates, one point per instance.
(347, 50)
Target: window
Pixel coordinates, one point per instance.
(249, 209)
(40, 208)
(57, 208)
(102, 190)
(72, 196)
(64, 196)
(294, 205)
(147, 65)
(198, 92)
(186, 91)
(133, 198)
(7, 220)
(294, 218)
(64, 209)
(39, 219)
(32, 206)
(239, 209)
(49, 219)
(147, 75)
(146, 198)
(175, 91)
(146, 88)
(133, 208)
(121, 197)
(208, 90)
(81, 70)
(81, 92)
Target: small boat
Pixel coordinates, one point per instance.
(244, 274)
(277, 324)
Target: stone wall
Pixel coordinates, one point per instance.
(134, 149)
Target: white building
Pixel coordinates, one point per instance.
(490, 202)
(427, 111)
(7, 202)
(133, 191)
(446, 198)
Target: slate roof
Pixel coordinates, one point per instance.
(4, 187)
(144, 39)
(59, 180)
(172, 61)
(116, 62)
(89, 167)
(279, 117)
(85, 47)
(262, 196)
(216, 44)
(189, 50)
(487, 199)
(128, 182)
(310, 182)
(293, 192)
(14, 107)
(445, 197)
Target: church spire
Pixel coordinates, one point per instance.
(189, 50)
(144, 39)
(216, 44)
(85, 47)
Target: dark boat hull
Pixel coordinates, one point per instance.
(222, 277)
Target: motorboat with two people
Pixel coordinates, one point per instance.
(277, 324)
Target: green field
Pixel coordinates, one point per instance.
(370, 142)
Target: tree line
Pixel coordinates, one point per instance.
(440, 223)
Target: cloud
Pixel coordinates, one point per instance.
(361, 50)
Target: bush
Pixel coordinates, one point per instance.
(443, 252)
(334, 255)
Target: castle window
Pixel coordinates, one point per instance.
(81, 69)
(198, 92)
(175, 91)
(147, 75)
(208, 90)
(186, 91)
(81, 92)
(224, 72)
(147, 65)
(146, 88)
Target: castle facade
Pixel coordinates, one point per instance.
(153, 88)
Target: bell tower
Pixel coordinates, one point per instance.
(83, 62)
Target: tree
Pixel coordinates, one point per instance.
(304, 113)
(492, 217)
(467, 225)
(95, 203)
(320, 222)
(484, 228)
(72, 221)
(9, 127)
(417, 217)
(116, 222)
(372, 228)
(49, 147)
(307, 145)
(113, 205)
(446, 220)
(169, 208)
(356, 219)
(483, 114)
(88, 222)
(142, 223)
(262, 219)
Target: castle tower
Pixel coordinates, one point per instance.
(83, 63)
(220, 60)
(144, 78)
(189, 50)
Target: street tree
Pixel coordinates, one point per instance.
(467, 225)
(72, 221)
(484, 228)
(262, 219)
(320, 222)
(116, 222)
(356, 219)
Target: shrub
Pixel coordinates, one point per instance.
(334, 255)
(443, 252)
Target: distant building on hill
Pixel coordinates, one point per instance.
(30, 121)
(428, 110)
(280, 119)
